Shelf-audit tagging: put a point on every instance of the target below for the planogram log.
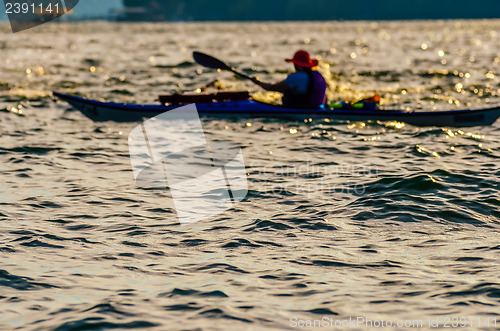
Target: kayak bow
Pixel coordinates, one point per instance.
(119, 112)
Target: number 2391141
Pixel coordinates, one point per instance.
(32, 8)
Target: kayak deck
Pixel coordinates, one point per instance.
(119, 112)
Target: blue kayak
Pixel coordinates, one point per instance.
(247, 108)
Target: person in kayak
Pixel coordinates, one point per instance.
(306, 88)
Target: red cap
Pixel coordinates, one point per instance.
(302, 59)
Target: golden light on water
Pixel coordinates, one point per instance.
(452, 133)
(395, 124)
(423, 150)
(424, 47)
(360, 125)
(293, 131)
(267, 97)
(15, 110)
(475, 136)
(441, 53)
(92, 69)
(249, 124)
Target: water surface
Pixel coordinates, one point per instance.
(376, 220)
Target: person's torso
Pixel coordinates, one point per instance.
(307, 90)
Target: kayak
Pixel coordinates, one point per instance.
(242, 107)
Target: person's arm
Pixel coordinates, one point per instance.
(281, 87)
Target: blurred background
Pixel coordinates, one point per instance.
(279, 10)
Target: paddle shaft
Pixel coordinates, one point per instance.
(214, 63)
(240, 74)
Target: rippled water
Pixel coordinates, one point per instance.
(383, 221)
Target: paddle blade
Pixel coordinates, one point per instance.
(209, 61)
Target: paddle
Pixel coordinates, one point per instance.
(213, 63)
